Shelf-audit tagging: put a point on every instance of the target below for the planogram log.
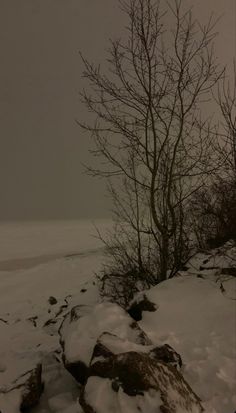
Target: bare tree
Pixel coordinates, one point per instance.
(215, 205)
(227, 102)
(149, 130)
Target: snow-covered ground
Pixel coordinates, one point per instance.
(59, 259)
(198, 321)
(63, 258)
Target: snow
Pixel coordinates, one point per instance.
(10, 402)
(100, 396)
(198, 321)
(194, 316)
(24, 308)
(118, 345)
(81, 335)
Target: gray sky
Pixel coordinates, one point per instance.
(42, 148)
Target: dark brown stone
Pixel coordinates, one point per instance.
(137, 373)
(52, 300)
(137, 307)
(167, 355)
(229, 271)
(78, 370)
(33, 389)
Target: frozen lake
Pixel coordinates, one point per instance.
(24, 245)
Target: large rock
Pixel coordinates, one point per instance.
(83, 325)
(76, 367)
(23, 392)
(109, 344)
(137, 383)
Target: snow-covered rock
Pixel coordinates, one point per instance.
(133, 382)
(23, 392)
(109, 344)
(139, 304)
(213, 262)
(84, 324)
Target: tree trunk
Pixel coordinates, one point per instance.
(164, 252)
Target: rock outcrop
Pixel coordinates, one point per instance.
(83, 325)
(136, 380)
(119, 367)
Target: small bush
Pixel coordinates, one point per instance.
(121, 287)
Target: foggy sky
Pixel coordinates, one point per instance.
(42, 148)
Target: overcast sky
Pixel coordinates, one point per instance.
(42, 148)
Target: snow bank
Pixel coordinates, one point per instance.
(199, 322)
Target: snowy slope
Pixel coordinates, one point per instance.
(194, 315)
(198, 321)
(26, 333)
